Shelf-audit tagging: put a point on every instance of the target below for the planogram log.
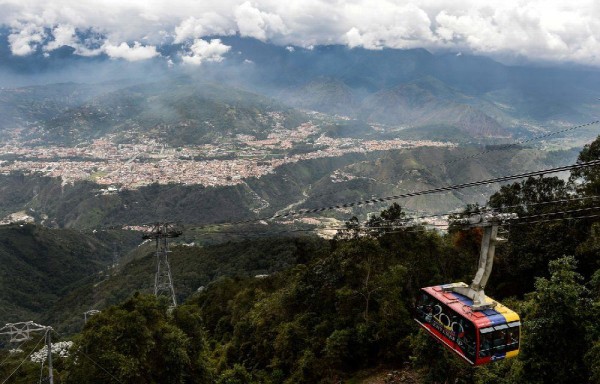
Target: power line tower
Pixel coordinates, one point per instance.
(20, 332)
(163, 281)
(115, 260)
(88, 314)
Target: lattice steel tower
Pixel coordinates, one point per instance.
(163, 281)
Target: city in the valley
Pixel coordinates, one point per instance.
(147, 161)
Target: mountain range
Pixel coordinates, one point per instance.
(408, 88)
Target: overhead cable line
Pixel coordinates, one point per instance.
(524, 205)
(24, 359)
(8, 356)
(517, 143)
(555, 219)
(404, 226)
(593, 197)
(417, 193)
(484, 152)
(556, 213)
(79, 350)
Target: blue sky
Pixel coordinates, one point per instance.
(538, 31)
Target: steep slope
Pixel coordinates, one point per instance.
(79, 205)
(192, 267)
(399, 172)
(327, 95)
(25, 106)
(306, 184)
(40, 265)
(177, 111)
(429, 102)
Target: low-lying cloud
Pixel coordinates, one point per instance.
(130, 53)
(202, 51)
(542, 30)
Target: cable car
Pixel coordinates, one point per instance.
(478, 336)
(462, 317)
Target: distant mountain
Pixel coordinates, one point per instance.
(429, 102)
(327, 95)
(176, 111)
(21, 107)
(550, 92)
(335, 79)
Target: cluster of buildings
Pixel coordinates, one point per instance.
(147, 161)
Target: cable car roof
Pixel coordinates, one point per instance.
(463, 306)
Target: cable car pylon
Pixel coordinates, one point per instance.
(163, 281)
(489, 221)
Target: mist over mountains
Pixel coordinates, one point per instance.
(409, 88)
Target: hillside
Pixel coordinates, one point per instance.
(409, 88)
(40, 266)
(54, 276)
(415, 105)
(305, 184)
(398, 172)
(177, 112)
(335, 310)
(512, 95)
(26, 106)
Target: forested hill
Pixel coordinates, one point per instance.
(342, 309)
(39, 266)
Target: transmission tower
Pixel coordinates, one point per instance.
(20, 332)
(163, 281)
(115, 260)
(88, 314)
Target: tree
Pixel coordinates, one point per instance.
(592, 357)
(135, 342)
(588, 179)
(553, 349)
(532, 246)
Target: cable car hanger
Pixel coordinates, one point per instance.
(489, 221)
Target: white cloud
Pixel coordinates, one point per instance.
(389, 25)
(255, 23)
(207, 24)
(25, 38)
(554, 30)
(64, 34)
(124, 51)
(202, 51)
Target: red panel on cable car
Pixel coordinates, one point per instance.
(478, 336)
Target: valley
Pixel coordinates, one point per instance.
(225, 162)
(286, 184)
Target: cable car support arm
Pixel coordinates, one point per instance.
(489, 222)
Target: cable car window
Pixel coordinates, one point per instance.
(466, 339)
(486, 342)
(512, 336)
(425, 308)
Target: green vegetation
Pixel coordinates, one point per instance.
(40, 265)
(329, 310)
(178, 111)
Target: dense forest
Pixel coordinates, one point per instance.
(344, 308)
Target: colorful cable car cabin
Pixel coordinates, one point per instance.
(478, 336)
(462, 317)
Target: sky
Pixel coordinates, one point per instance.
(547, 31)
